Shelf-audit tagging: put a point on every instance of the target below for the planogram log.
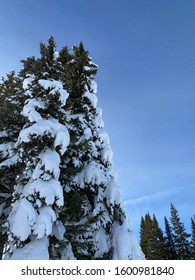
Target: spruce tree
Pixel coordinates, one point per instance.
(96, 225)
(181, 238)
(193, 238)
(169, 242)
(10, 124)
(146, 236)
(158, 242)
(41, 143)
(143, 236)
(151, 238)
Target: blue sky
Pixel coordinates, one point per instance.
(146, 86)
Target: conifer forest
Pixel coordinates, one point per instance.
(172, 244)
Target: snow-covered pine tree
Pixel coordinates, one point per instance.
(42, 142)
(182, 244)
(95, 222)
(10, 125)
(169, 242)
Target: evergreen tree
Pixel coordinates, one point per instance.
(96, 225)
(41, 143)
(193, 238)
(169, 242)
(181, 242)
(151, 238)
(148, 237)
(10, 124)
(158, 242)
(145, 235)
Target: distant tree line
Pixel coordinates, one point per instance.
(172, 244)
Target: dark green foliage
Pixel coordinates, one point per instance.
(77, 76)
(169, 242)
(146, 238)
(10, 103)
(159, 252)
(10, 124)
(45, 67)
(182, 245)
(193, 238)
(174, 244)
(145, 227)
(151, 238)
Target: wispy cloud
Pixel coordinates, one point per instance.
(152, 197)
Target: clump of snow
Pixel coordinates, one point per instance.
(50, 191)
(44, 222)
(93, 86)
(86, 135)
(111, 173)
(50, 84)
(42, 127)
(58, 230)
(67, 253)
(22, 218)
(107, 154)
(112, 193)
(125, 243)
(98, 121)
(92, 63)
(3, 134)
(29, 110)
(62, 139)
(101, 240)
(28, 81)
(6, 149)
(92, 98)
(34, 250)
(9, 162)
(76, 162)
(55, 87)
(87, 68)
(104, 138)
(51, 161)
(93, 174)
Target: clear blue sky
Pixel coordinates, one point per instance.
(146, 86)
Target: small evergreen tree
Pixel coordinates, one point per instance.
(143, 236)
(169, 242)
(193, 238)
(181, 242)
(146, 236)
(159, 252)
(151, 238)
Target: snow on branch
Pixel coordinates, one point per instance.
(42, 127)
(56, 87)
